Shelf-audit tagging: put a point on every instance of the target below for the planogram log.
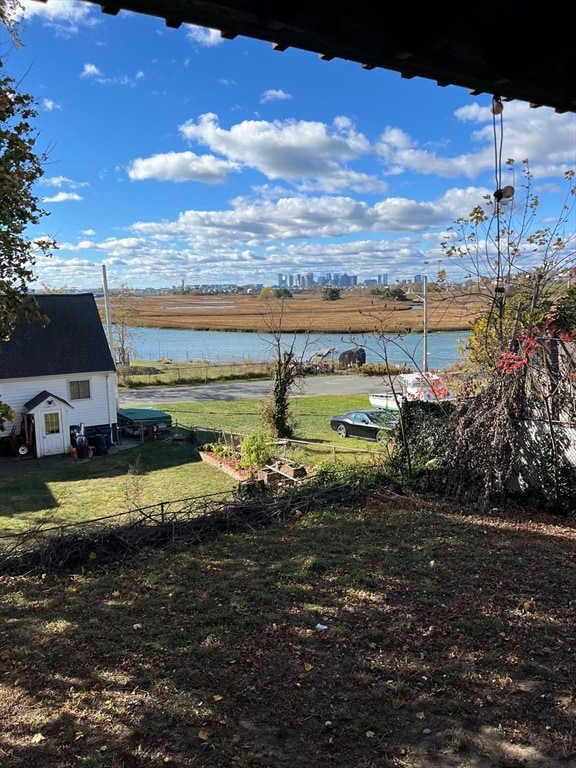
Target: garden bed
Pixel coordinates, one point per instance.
(227, 465)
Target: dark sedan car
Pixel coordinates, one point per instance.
(370, 425)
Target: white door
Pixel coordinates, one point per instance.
(52, 434)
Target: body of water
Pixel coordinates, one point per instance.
(240, 347)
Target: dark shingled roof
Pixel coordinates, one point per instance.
(41, 397)
(73, 342)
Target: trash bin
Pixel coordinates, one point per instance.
(82, 447)
(100, 447)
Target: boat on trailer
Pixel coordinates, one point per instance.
(410, 387)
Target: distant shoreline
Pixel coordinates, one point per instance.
(211, 329)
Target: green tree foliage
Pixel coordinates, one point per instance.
(6, 414)
(393, 293)
(275, 413)
(256, 449)
(20, 169)
(564, 311)
(330, 293)
(275, 293)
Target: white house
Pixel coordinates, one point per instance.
(58, 376)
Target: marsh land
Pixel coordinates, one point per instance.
(354, 312)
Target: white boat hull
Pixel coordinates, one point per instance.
(389, 401)
(413, 387)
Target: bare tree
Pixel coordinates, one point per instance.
(525, 355)
(288, 371)
(124, 312)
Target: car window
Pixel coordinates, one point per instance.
(383, 419)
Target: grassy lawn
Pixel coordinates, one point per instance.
(396, 633)
(71, 491)
(312, 415)
(163, 470)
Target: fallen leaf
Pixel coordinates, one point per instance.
(115, 593)
(370, 734)
(308, 667)
(204, 735)
(217, 697)
(420, 715)
(92, 556)
(37, 738)
(397, 703)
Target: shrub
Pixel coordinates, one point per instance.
(256, 449)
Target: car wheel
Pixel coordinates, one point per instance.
(342, 430)
(23, 449)
(382, 436)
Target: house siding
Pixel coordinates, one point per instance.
(99, 410)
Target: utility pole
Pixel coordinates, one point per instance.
(424, 299)
(108, 311)
(425, 320)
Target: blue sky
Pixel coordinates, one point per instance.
(175, 155)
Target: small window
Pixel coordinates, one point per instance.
(80, 390)
(51, 423)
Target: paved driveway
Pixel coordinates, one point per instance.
(344, 384)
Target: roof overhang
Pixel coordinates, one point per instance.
(511, 50)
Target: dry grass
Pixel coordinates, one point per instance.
(449, 641)
(356, 312)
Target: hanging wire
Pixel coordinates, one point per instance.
(497, 110)
(498, 134)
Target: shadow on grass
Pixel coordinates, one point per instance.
(444, 634)
(28, 484)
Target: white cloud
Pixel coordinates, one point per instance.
(62, 197)
(203, 36)
(65, 16)
(60, 181)
(547, 139)
(72, 11)
(290, 150)
(49, 105)
(344, 179)
(182, 166)
(255, 223)
(274, 95)
(400, 154)
(91, 70)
